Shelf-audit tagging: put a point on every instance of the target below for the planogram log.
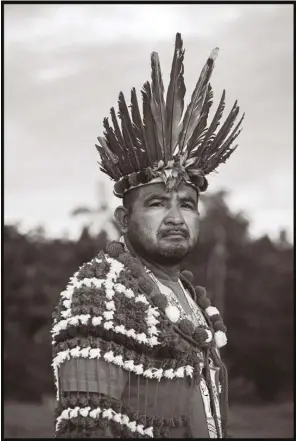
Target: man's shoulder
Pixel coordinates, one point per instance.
(102, 266)
(112, 270)
(107, 263)
(86, 284)
(108, 293)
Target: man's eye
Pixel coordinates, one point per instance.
(156, 204)
(187, 206)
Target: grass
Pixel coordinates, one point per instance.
(25, 420)
(269, 421)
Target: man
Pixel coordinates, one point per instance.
(135, 346)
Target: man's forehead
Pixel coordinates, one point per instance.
(159, 189)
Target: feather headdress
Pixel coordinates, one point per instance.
(161, 145)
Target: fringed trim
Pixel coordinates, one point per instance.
(100, 411)
(128, 365)
(189, 358)
(108, 414)
(139, 363)
(87, 320)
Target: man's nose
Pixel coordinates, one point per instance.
(174, 216)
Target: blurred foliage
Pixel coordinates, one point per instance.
(257, 295)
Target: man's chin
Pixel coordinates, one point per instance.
(174, 251)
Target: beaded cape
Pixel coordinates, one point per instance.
(111, 310)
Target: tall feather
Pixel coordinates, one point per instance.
(103, 163)
(115, 147)
(149, 124)
(213, 126)
(175, 98)
(213, 164)
(144, 156)
(117, 131)
(224, 149)
(234, 134)
(200, 131)
(128, 133)
(197, 99)
(228, 153)
(109, 159)
(113, 143)
(157, 102)
(225, 129)
(120, 138)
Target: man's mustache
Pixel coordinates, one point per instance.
(175, 230)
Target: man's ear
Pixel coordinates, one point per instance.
(121, 218)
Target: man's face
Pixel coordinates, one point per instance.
(163, 225)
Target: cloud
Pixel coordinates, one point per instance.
(65, 25)
(65, 65)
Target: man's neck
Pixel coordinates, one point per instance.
(169, 272)
(164, 272)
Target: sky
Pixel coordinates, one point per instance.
(65, 64)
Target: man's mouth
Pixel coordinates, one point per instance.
(175, 234)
